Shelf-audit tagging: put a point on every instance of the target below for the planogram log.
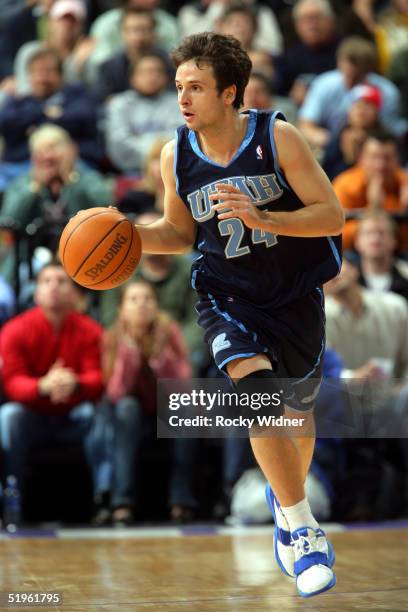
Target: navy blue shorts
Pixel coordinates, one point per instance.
(292, 336)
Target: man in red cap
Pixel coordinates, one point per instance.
(364, 111)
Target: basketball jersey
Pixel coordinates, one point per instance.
(254, 265)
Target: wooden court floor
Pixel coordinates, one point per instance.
(203, 573)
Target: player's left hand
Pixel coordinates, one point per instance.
(233, 203)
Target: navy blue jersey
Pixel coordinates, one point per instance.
(253, 265)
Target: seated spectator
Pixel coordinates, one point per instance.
(239, 20)
(363, 115)
(170, 277)
(65, 34)
(327, 102)
(51, 372)
(138, 117)
(369, 330)
(391, 32)
(68, 106)
(55, 188)
(141, 347)
(376, 243)
(139, 37)
(377, 181)
(147, 193)
(258, 95)
(202, 16)
(106, 29)
(315, 52)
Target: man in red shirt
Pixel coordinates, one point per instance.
(51, 373)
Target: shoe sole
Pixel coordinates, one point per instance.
(326, 588)
(330, 554)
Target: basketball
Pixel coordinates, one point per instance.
(100, 248)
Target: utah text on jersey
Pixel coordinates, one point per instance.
(260, 189)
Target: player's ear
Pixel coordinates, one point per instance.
(229, 94)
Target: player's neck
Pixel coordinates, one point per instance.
(221, 141)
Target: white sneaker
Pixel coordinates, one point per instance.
(284, 553)
(312, 565)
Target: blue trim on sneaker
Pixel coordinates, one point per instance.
(315, 558)
(280, 534)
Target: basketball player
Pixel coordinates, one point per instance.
(245, 189)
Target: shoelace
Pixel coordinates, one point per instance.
(304, 545)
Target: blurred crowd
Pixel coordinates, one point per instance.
(87, 101)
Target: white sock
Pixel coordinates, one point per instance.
(300, 515)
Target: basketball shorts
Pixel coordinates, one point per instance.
(293, 337)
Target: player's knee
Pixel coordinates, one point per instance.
(260, 396)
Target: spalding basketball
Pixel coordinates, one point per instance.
(100, 248)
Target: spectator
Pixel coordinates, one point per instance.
(170, 276)
(325, 108)
(239, 20)
(141, 115)
(391, 32)
(139, 37)
(147, 193)
(66, 35)
(363, 115)
(68, 106)
(143, 346)
(369, 330)
(258, 95)
(51, 373)
(202, 16)
(57, 186)
(377, 181)
(54, 190)
(106, 29)
(315, 53)
(376, 243)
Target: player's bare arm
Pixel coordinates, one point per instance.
(175, 231)
(322, 214)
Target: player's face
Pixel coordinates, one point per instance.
(200, 102)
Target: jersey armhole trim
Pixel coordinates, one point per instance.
(176, 145)
(278, 170)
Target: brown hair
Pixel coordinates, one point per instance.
(378, 215)
(228, 60)
(114, 335)
(133, 10)
(44, 53)
(359, 52)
